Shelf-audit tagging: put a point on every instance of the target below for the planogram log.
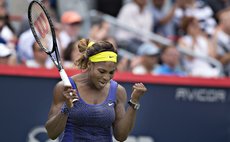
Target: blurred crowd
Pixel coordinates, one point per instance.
(199, 27)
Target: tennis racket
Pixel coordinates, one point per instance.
(44, 33)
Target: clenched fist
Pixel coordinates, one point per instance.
(138, 90)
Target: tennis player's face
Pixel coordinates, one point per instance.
(101, 73)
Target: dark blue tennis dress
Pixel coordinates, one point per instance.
(91, 123)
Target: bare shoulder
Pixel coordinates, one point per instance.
(121, 93)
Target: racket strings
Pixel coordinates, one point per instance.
(43, 31)
(42, 27)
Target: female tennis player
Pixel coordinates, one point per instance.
(100, 111)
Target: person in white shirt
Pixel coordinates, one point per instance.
(196, 42)
(25, 42)
(136, 15)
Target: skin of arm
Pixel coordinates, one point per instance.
(225, 58)
(56, 122)
(212, 48)
(125, 119)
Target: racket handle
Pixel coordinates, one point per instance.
(74, 100)
(66, 81)
(65, 78)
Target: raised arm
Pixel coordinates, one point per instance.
(125, 119)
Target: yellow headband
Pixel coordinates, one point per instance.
(104, 56)
(91, 43)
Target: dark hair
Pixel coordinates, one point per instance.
(87, 52)
(34, 45)
(68, 51)
(185, 22)
(5, 17)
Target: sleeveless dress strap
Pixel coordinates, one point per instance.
(113, 90)
(74, 86)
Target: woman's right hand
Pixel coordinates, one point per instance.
(70, 95)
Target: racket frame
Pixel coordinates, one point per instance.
(57, 62)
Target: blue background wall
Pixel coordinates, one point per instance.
(168, 113)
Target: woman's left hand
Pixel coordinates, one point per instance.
(138, 90)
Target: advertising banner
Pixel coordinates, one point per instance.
(169, 112)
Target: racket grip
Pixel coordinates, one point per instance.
(65, 78)
(74, 100)
(66, 81)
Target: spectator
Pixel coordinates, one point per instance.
(24, 47)
(124, 64)
(134, 15)
(147, 59)
(221, 39)
(71, 22)
(7, 57)
(6, 30)
(71, 53)
(163, 19)
(196, 42)
(217, 6)
(100, 30)
(170, 62)
(198, 9)
(40, 58)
